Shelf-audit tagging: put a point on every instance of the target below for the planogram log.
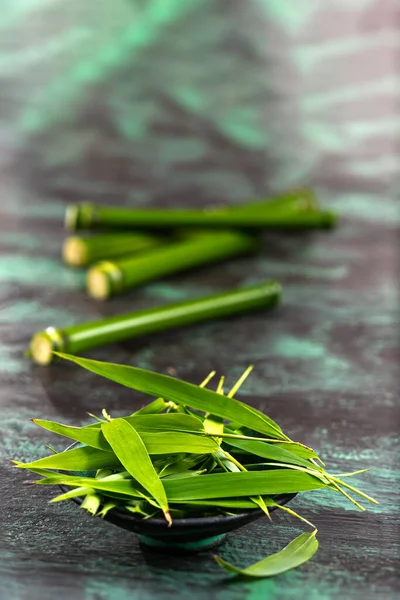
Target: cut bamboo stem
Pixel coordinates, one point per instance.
(79, 338)
(112, 277)
(297, 209)
(80, 251)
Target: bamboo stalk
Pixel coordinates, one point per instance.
(108, 278)
(81, 251)
(280, 212)
(79, 338)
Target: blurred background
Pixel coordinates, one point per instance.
(194, 101)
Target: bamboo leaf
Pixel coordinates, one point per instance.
(122, 488)
(213, 425)
(236, 503)
(183, 475)
(37, 471)
(90, 435)
(74, 493)
(298, 449)
(182, 464)
(149, 423)
(243, 483)
(153, 408)
(132, 453)
(77, 459)
(206, 487)
(183, 393)
(293, 555)
(166, 422)
(269, 451)
(171, 442)
(168, 442)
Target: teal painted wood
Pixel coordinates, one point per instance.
(326, 362)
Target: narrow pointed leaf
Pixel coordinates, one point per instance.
(298, 449)
(214, 425)
(206, 487)
(153, 408)
(37, 471)
(75, 493)
(183, 464)
(183, 393)
(90, 435)
(172, 442)
(237, 503)
(183, 475)
(166, 422)
(243, 483)
(77, 459)
(269, 451)
(122, 488)
(150, 423)
(132, 453)
(156, 443)
(293, 555)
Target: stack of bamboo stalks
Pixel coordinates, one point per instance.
(126, 247)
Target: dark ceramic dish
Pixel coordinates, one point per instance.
(189, 534)
(196, 533)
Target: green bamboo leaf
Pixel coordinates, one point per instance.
(206, 487)
(121, 488)
(74, 493)
(293, 555)
(90, 435)
(243, 483)
(166, 422)
(269, 451)
(214, 425)
(298, 449)
(168, 442)
(153, 408)
(132, 453)
(236, 503)
(171, 442)
(91, 503)
(77, 459)
(149, 423)
(183, 475)
(182, 464)
(183, 393)
(37, 471)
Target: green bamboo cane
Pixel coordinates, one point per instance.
(295, 210)
(79, 338)
(108, 278)
(80, 251)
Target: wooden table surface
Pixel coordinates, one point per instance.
(326, 361)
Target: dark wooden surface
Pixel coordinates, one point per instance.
(75, 127)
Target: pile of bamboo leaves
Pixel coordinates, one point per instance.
(190, 452)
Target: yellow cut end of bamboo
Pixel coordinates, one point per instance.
(71, 217)
(98, 283)
(42, 345)
(74, 252)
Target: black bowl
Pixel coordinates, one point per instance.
(192, 534)
(195, 533)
